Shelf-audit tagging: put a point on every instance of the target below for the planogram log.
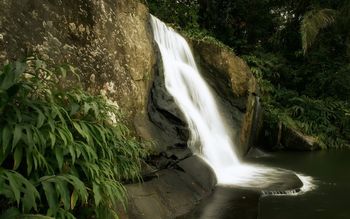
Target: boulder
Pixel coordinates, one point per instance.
(170, 125)
(172, 193)
(281, 136)
(291, 139)
(109, 41)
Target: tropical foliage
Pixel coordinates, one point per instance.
(313, 22)
(63, 152)
(181, 13)
(325, 117)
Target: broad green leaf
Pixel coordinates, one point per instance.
(6, 138)
(78, 186)
(59, 157)
(41, 119)
(72, 152)
(63, 136)
(51, 123)
(73, 199)
(78, 128)
(102, 133)
(63, 191)
(35, 161)
(29, 137)
(51, 196)
(87, 132)
(15, 186)
(17, 157)
(97, 193)
(39, 137)
(18, 114)
(29, 159)
(28, 201)
(18, 185)
(53, 139)
(17, 134)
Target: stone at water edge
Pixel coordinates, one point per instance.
(292, 139)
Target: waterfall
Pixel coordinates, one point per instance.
(209, 138)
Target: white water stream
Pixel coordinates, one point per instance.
(209, 137)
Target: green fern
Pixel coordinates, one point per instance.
(313, 21)
(327, 119)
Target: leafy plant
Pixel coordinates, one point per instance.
(267, 69)
(313, 21)
(327, 119)
(62, 151)
(181, 13)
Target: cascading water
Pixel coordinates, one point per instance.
(208, 135)
(193, 96)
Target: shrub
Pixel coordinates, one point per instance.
(326, 118)
(63, 152)
(182, 13)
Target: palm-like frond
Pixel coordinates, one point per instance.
(313, 21)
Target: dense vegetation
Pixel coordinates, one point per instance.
(299, 51)
(63, 152)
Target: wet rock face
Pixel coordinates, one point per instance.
(109, 41)
(235, 86)
(171, 128)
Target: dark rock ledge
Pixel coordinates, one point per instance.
(187, 190)
(171, 192)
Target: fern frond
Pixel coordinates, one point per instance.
(313, 21)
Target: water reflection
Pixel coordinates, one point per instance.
(228, 203)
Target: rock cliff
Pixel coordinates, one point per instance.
(109, 42)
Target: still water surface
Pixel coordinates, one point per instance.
(331, 198)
